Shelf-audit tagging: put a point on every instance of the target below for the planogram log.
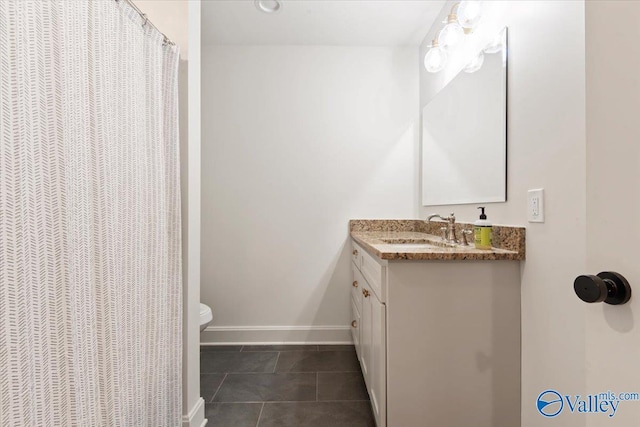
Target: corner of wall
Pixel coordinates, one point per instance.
(192, 403)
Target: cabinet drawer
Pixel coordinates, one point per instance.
(356, 288)
(356, 253)
(374, 273)
(355, 327)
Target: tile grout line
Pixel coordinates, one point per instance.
(317, 380)
(301, 372)
(276, 364)
(219, 387)
(275, 402)
(274, 372)
(281, 372)
(260, 415)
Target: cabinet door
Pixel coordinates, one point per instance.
(356, 287)
(365, 332)
(355, 327)
(378, 364)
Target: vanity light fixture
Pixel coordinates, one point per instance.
(452, 33)
(475, 64)
(496, 45)
(469, 14)
(436, 58)
(462, 18)
(269, 6)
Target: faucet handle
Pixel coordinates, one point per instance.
(445, 233)
(450, 219)
(465, 232)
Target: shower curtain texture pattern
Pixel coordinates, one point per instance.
(90, 253)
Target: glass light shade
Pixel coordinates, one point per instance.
(475, 64)
(469, 13)
(268, 6)
(435, 59)
(495, 45)
(451, 35)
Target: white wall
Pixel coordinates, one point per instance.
(297, 140)
(546, 148)
(613, 200)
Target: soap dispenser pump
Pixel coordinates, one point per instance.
(482, 231)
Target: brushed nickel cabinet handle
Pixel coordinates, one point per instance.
(354, 324)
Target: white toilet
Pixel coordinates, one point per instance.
(206, 316)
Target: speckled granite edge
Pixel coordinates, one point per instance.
(385, 225)
(504, 237)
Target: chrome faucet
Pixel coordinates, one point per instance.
(450, 234)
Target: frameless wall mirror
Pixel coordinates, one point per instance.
(464, 133)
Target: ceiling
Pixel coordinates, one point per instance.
(319, 22)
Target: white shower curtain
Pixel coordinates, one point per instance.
(90, 255)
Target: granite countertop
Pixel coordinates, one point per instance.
(416, 240)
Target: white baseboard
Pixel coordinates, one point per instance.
(195, 417)
(246, 335)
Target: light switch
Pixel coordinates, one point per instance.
(535, 211)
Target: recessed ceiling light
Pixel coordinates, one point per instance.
(268, 6)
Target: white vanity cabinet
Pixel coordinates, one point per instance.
(438, 340)
(368, 327)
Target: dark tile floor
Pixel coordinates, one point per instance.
(284, 385)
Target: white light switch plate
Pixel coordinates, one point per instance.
(535, 205)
